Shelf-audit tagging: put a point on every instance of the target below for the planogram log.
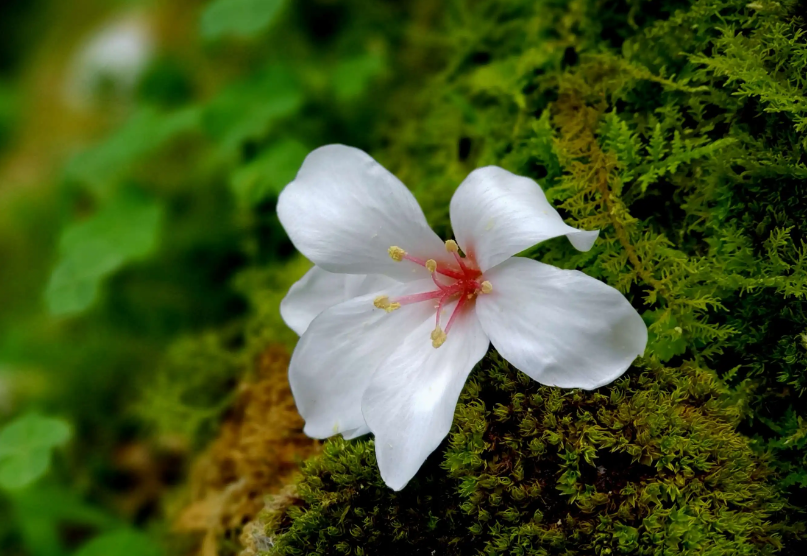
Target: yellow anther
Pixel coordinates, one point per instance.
(431, 265)
(452, 247)
(438, 337)
(487, 287)
(396, 253)
(383, 302)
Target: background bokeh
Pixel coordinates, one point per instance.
(142, 147)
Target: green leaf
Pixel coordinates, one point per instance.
(243, 18)
(247, 109)
(123, 542)
(25, 468)
(42, 512)
(657, 149)
(145, 132)
(25, 448)
(268, 174)
(125, 230)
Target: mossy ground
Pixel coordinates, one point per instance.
(678, 130)
(651, 465)
(258, 447)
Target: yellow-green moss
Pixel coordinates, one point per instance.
(650, 466)
(676, 128)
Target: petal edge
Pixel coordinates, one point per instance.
(560, 327)
(344, 210)
(496, 214)
(409, 404)
(319, 289)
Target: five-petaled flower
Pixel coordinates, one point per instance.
(392, 319)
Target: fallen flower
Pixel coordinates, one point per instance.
(392, 319)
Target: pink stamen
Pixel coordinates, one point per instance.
(415, 260)
(444, 271)
(418, 297)
(462, 264)
(442, 287)
(464, 289)
(456, 312)
(440, 310)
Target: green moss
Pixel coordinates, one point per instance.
(650, 466)
(676, 128)
(185, 395)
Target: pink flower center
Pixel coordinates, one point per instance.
(461, 283)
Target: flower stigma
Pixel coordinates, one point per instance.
(464, 288)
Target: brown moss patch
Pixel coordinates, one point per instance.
(258, 448)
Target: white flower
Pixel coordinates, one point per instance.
(117, 53)
(386, 291)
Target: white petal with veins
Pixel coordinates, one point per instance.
(496, 214)
(319, 289)
(409, 405)
(335, 359)
(344, 211)
(560, 327)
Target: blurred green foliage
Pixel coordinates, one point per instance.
(41, 513)
(101, 167)
(8, 111)
(125, 230)
(120, 543)
(138, 219)
(247, 109)
(264, 177)
(241, 18)
(25, 448)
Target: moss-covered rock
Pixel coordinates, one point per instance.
(650, 466)
(676, 128)
(257, 449)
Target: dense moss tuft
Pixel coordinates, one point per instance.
(651, 465)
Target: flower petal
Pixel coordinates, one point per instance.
(344, 211)
(355, 433)
(410, 402)
(496, 214)
(319, 289)
(335, 359)
(560, 327)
